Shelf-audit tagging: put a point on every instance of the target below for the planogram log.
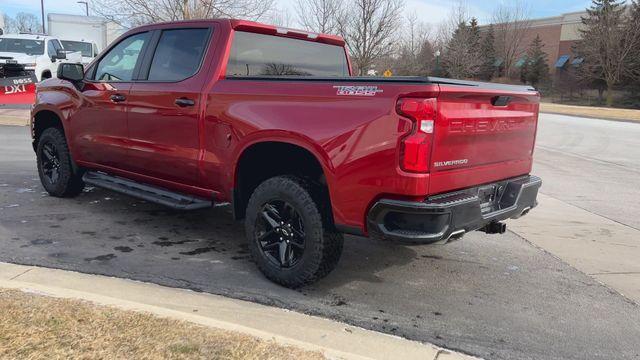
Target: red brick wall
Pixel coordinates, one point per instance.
(565, 48)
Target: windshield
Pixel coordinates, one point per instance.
(83, 47)
(24, 46)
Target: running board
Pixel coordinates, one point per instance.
(146, 192)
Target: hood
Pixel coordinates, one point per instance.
(20, 57)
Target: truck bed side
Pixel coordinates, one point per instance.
(357, 138)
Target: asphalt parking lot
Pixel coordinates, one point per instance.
(497, 297)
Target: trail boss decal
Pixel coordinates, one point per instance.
(357, 90)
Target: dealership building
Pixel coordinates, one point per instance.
(558, 34)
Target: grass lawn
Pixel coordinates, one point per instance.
(590, 111)
(40, 327)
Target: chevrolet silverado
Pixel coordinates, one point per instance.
(196, 113)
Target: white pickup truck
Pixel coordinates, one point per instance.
(87, 48)
(40, 54)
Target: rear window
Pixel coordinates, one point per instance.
(267, 55)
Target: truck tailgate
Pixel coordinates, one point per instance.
(481, 136)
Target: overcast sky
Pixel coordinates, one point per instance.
(430, 11)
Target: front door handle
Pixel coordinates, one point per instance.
(117, 98)
(184, 102)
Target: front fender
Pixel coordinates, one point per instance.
(57, 97)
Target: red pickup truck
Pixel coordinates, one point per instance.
(196, 113)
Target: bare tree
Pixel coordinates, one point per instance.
(610, 37)
(23, 22)
(280, 16)
(369, 27)
(415, 34)
(415, 48)
(511, 25)
(136, 12)
(633, 25)
(319, 15)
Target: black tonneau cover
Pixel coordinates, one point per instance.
(393, 79)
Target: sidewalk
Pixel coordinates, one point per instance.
(333, 339)
(11, 116)
(603, 249)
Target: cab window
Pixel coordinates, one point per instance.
(120, 62)
(51, 49)
(178, 54)
(57, 45)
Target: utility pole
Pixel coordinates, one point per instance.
(42, 10)
(86, 6)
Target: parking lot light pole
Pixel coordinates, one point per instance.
(86, 6)
(42, 11)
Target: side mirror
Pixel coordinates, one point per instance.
(61, 55)
(71, 72)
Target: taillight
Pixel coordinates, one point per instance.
(415, 147)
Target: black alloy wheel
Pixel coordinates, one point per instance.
(55, 166)
(50, 163)
(280, 233)
(289, 231)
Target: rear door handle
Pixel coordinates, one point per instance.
(117, 98)
(184, 102)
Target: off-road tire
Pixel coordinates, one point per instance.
(69, 183)
(323, 244)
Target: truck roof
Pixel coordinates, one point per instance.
(256, 27)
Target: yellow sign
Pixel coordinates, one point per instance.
(387, 73)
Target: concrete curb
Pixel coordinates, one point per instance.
(334, 339)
